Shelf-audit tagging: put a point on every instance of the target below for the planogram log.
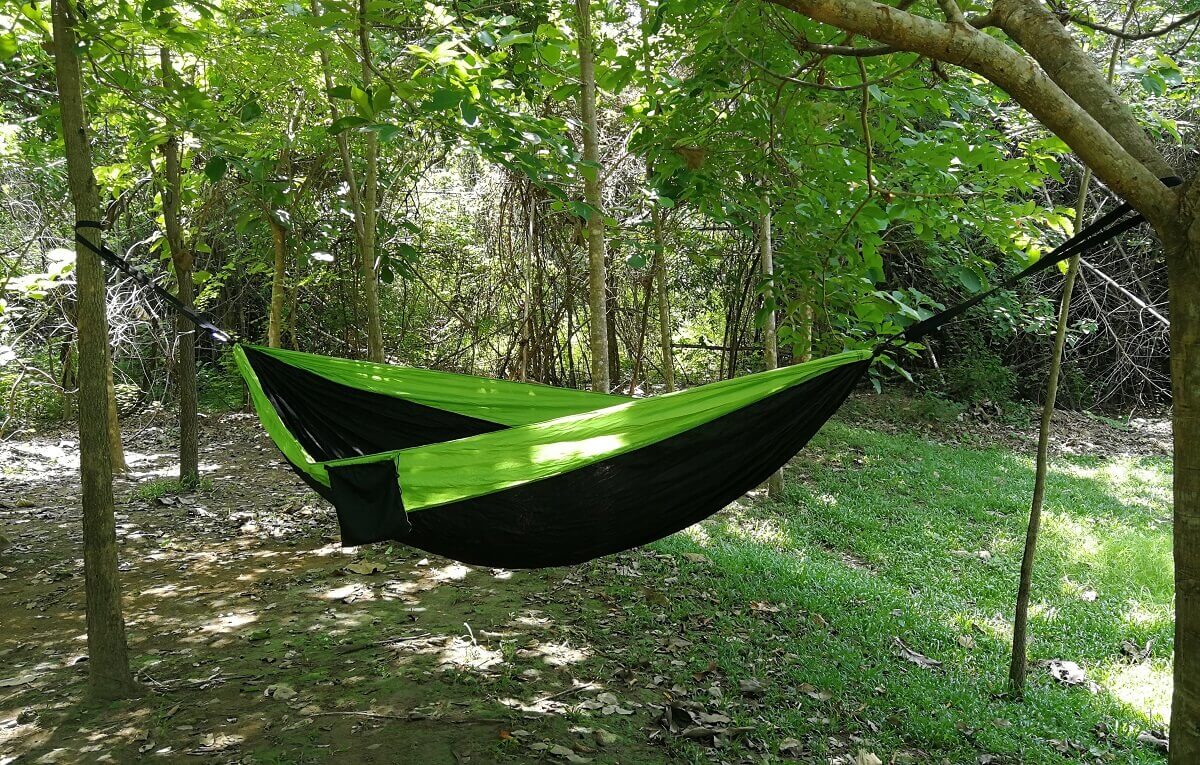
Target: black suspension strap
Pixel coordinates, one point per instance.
(1095, 234)
(121, 264)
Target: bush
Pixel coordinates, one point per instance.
(980, 375)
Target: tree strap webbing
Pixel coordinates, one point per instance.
(124, 266)
(1098, 232)
(1105, 228)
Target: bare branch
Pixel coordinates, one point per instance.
(1176, 24)
(808, 46)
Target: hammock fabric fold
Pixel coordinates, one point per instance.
(516, 475)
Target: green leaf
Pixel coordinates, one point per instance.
(443, 99)
(361, 101)
(340, 91)
(345, 123)
(250, 111)
(381, 99)
(969, 280)
(215, 169)
(8, 46)
(470, 112)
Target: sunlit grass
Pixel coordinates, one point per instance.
(887, 536)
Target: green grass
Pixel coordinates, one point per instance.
(156, 488)
(878, 537)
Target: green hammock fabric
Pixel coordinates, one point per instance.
(575, 429)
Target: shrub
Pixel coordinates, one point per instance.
(980, 375)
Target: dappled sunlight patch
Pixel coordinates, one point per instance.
(1146, 687)
(454, 572)
(352, 592)
(533, 619)
(232, 622)
(555, 654)
(1073, 536)
(759, 530)
(698, 534)
(464, 653)
(1144, 614)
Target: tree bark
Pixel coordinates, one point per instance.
(1183, 266)
(1018, 663)
(597, 283)
(370, 202)
(770, 341)
(116, 449)
(278, 275)
(665, 330)
(108, 665)
(185, 333)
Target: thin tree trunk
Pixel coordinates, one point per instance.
(181, 258)
(770, 348)
(665, 332)
(1018, 662)
(278, 289)
(597, 283)
(370, 212)
(610, 323)
(643, 327)
(108, 665)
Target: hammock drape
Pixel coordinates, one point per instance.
(519, 475)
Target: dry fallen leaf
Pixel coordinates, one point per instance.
(12, 682)
(1069, 673)
(791, 747)
(364, 567)
(750, 687)
(812, 692)
(867, 758)
(920, 659)
(1154, 738)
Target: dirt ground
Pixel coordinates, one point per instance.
(256, 638)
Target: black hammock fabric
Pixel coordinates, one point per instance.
(611, 505)
(347, 442)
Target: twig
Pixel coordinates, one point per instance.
(567, 692)
(380, 643)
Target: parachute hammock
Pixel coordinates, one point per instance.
(518, 475)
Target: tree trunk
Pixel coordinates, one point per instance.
(665, 331)
(770, 345)
(610, 324)
(1183, 265)
(185, 343)
(597, 283)
(108, 659)
(116, 450)
(370, 212)
(278, 275)
(1018, 662)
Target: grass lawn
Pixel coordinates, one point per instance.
(891, 536)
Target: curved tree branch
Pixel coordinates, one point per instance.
(1019, 76)
(1176, 24)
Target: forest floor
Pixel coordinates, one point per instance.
(863, 619)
